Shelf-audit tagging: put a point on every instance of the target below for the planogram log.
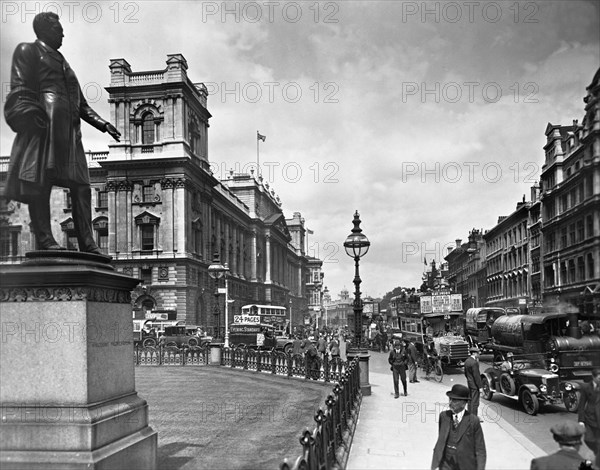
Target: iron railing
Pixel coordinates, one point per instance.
(266, 361)
(171, 356)
(281, 363)
(328, 445)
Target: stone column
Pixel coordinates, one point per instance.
(66, 366)
(253, 253)
(268, 258)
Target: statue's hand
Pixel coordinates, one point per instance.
(112, 130)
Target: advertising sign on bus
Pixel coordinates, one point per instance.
(441, 303)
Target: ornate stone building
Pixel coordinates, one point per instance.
(570, 212)
(467, 269)
(161, 213)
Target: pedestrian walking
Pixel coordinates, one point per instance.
(297, 345)
(321, 346)
(473, 380)
(398, 360)
(343, 347)
(460, 444)
(589, 413)
(313, 363)
(568, 435)
(413, 358)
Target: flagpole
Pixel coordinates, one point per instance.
(257, 155)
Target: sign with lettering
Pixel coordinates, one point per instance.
(246, 319)
(441, 303)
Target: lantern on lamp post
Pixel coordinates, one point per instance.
(356, 246)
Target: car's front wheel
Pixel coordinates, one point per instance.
(571, 400)
(487, 390)
(530, 402)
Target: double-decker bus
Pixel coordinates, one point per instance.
(435, 316)
(268, 314)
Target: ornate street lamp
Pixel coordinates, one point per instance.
(357, 245)
(217, 271)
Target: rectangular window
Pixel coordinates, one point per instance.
(146, 275)
(148, 193)
(590, 226)
(572, 239)
(72, 241)
(102, 199)
(103, 242)
(580, 231)
(147, 237)
(571, 271)
(580, 269)
(4, 243)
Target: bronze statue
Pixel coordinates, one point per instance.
(44, 107)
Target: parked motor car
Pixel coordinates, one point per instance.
(177, 335)
(525, 378)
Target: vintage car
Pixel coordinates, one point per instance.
(284, 342)
(526, 378)
(176, 335)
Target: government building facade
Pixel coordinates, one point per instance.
(162, 215)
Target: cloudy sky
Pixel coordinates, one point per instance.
(426, 117)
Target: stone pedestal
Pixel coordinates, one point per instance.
(215, 353)
(67, 384)
(363, 364)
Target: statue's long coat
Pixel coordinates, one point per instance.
(44, 89)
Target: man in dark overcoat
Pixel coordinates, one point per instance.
(568, 435)
(589, 413)
(413, 358)
(460, 444)
(473, 376)
(44, 107)
(398, 360)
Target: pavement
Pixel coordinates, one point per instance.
(401, 433)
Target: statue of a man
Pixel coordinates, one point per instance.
(44, 107)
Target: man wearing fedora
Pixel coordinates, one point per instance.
(568, 435)
(398, 360)
(473, 376)
(460, 444)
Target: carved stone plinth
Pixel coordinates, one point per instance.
(67, 384)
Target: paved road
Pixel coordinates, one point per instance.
(536, 428)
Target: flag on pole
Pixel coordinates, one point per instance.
(310, 232)
(259, 136)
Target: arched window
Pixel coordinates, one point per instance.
(147, 129)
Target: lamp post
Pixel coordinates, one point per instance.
(217, 271)
(290, 332)
(356, 246)
(325, 293)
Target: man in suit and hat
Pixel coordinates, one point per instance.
(45, 107)
(398, 360)
(568, 435)
(473, 376)
(589, 413)
(460, 444)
